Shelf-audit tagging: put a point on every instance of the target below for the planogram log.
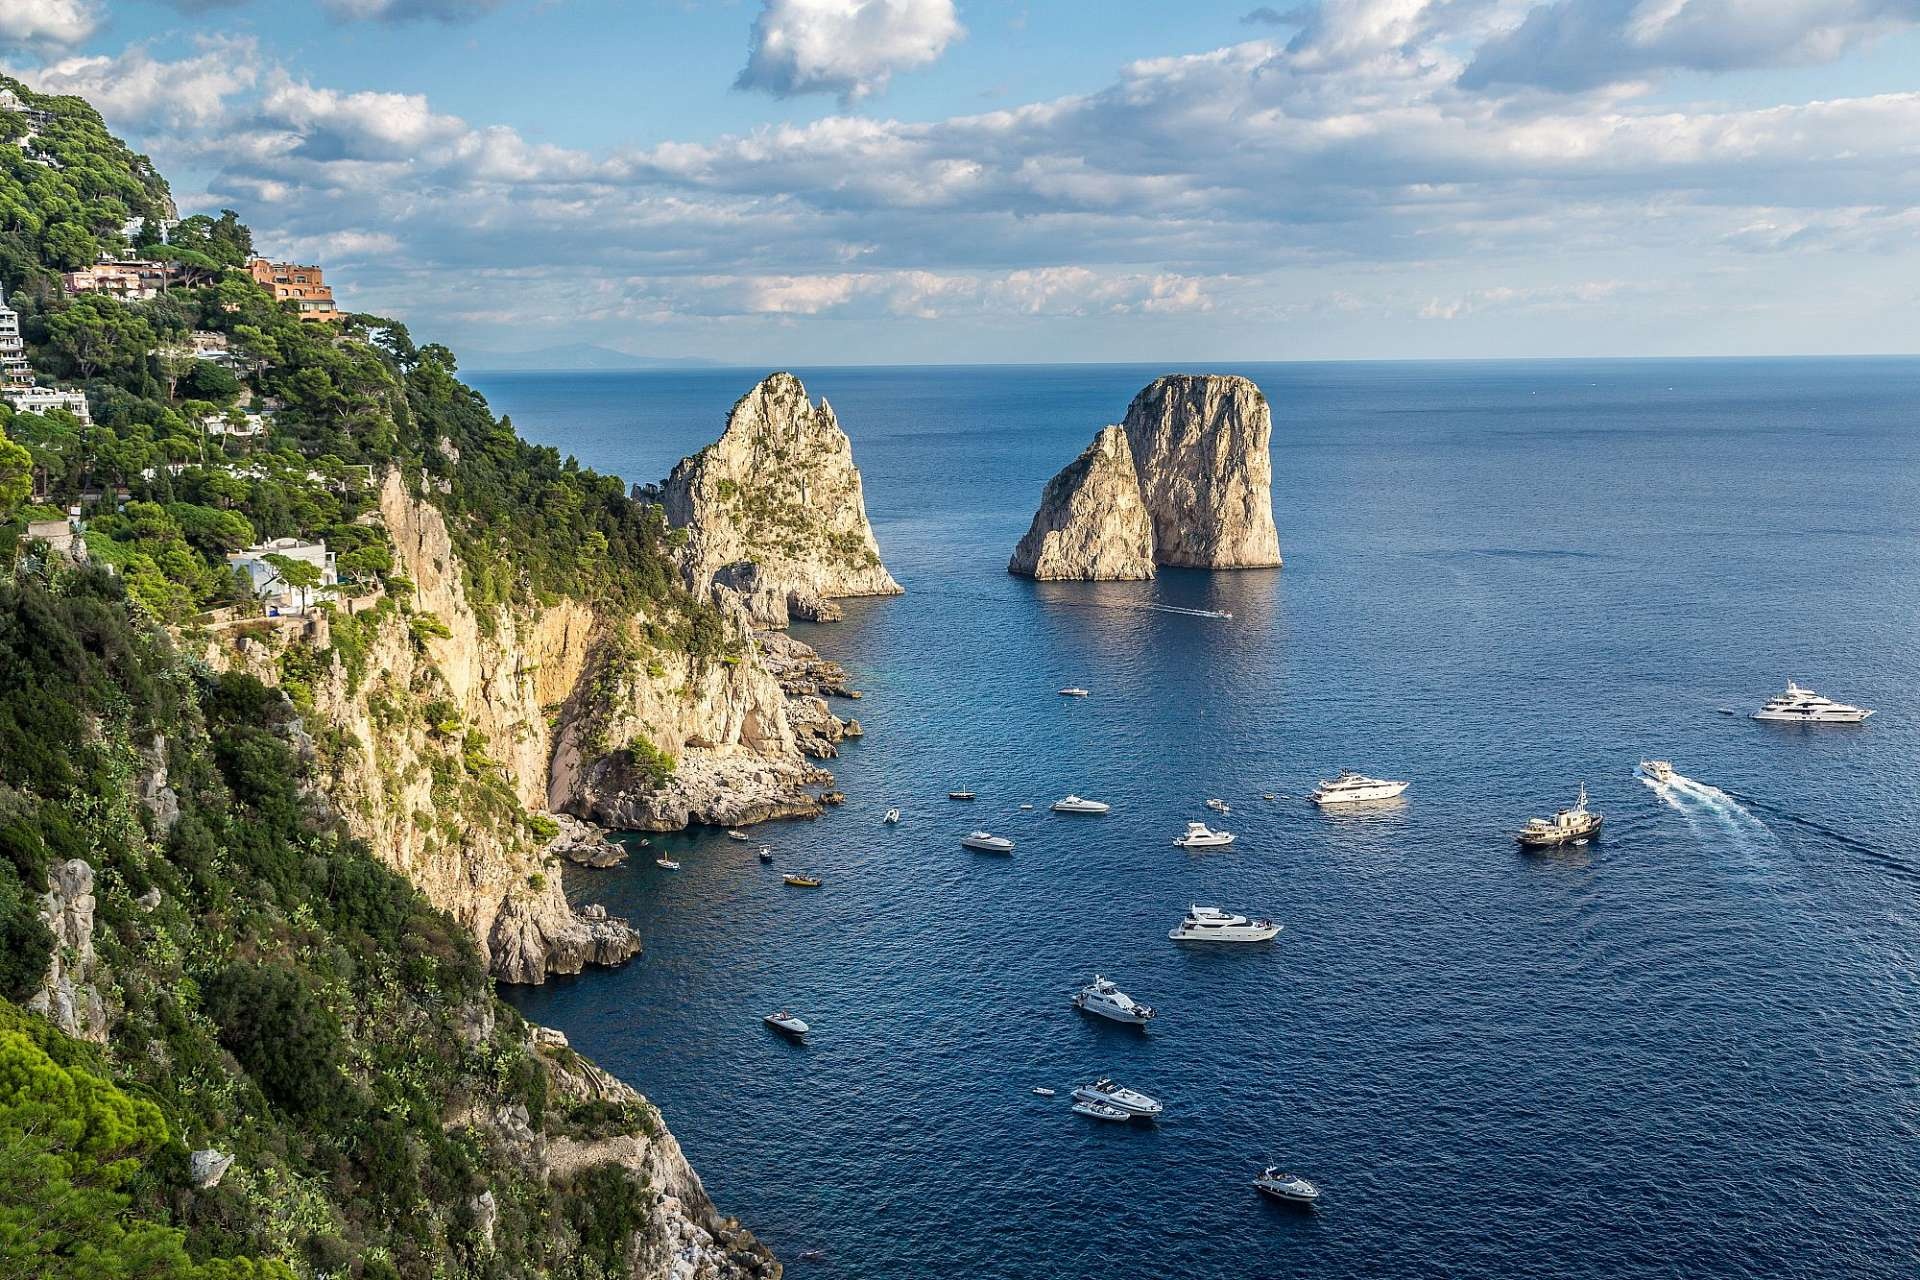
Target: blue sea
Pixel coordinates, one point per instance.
(1689, 1049)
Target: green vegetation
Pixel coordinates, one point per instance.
(654, 766)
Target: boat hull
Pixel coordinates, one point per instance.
(1358, 795)
(1250, 936)
(1852, 716)
(981, 846)
(1113, 1013)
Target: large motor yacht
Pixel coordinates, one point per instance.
(1074, 804)
(1355, 788)
(1804, 706)
(1200, 836)
(1210, 924)
(1660, 772)
(1105, 1092)
(1102, 997)
(986, 842)
(1569, 826)
(1282, 1185)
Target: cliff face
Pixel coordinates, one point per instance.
(1202, 450)
(1092, 523)
(1187, 480)
(778, 490)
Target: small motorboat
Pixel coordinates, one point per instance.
(735, 834)
(986, 842)
(766, 854)
(1026, 806)
(1291, 1187)
(666, 864)
(960, 795)
(893, 816)
(1073, 691)
(1074, 804)
(1041, 1091)
(1106, 1093)
(1658, 771)
(799, 881)
(1199, 835)
(1219, 806)
(784, 1021)
(1100, 1111)
(1269, 796)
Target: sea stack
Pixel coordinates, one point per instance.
(776, 502)
(1092, 525)
(1191, 463)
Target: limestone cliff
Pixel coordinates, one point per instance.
(1092, 523)
(1187, 480)
(1202, 447)
(779, 490)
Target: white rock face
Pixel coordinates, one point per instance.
(778, 489)
(1092, 524)
(1187, 480)
(68, 996)
(1202, 447)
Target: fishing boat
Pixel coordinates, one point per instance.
(736, 834)
(766, 854)
(1199, 835)
(799, 881)
(960, 795)
(666, 864)
(1569, 826)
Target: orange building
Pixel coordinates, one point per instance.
(311, 296)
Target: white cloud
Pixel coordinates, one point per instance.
(845, 47)
(1581, 44)
(139, 93)
(52, 22)
(395, 11)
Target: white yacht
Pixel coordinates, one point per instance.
(1105, 1092)
(1804, 706)
(1218, 805)
(1073, 691)
(986, 842)
(893, 816)
(1355, 788)
(784, 1021)
(1099, 1111)
(666, 864)
(1658, 771)
(1210, 924)
(1102, 997)
(1281, 1185)
(1199, 835)
(1074, 804)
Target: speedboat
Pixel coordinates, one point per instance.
(1218, 805)
(1099, 1111)
(1569, 826)
(799, 881)
(893, 816)
(1074, 804)
(1804, 706)
(1281, 1185)
(1660, 771)
(1102, 997)
(1355, 788)
(986, 842)
(1073, 691)
(735, 834)
(766, 854)
(1042, 1091)
(1210, 924)
(666, 864)
(1200, 836)
(959, 795)
(1108, 1094)
(784, 1021)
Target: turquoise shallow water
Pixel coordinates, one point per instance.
(1689, 1049)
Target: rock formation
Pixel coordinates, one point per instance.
(1092, 524)
(1187, 480)
(68, 997)
(778, 490)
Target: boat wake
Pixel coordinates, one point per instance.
(1191, 613)
(1705, 807)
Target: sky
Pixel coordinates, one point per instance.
(784, 182)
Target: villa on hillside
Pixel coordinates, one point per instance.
(303, 286)
(241, 426)
(43, 399)
(61, 537)
(132, 280)
(14, 369)
(273, 591)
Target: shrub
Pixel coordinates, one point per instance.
(279, 1029)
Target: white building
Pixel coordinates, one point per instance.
(14, 369)
(249, 425)
(43, 399)
(62, 538)
(267, 583)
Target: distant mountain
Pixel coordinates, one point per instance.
(581, 357)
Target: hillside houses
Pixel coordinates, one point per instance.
(275, 592)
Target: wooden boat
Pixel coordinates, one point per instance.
(741, 836)
(801, 882)
(959, 795)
